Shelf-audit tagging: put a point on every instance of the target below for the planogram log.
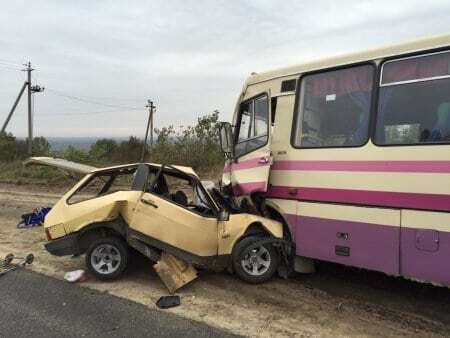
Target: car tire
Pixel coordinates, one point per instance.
(107, 257)
(254, 265)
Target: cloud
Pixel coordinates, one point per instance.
(190, 57)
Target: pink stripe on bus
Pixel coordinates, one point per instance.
(373, 166)
(247, 164)
(364, 197)
(247, 188)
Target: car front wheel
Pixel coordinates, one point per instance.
(107, 257)
(254, 263)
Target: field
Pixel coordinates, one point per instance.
(335, 301)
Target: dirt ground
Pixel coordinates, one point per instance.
(335, 301)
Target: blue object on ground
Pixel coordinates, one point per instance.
(34, 218)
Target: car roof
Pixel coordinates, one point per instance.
(187, 170)
(86, 169)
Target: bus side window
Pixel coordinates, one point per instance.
(334, 108)
(414, 100)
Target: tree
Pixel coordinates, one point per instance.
(196, 146)
(40, 146)
(103, 149)
(129, 151)
(75, 155)
(8, 149)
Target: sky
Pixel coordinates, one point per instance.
(101, 60)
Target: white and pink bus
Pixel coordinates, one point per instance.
(352, 153)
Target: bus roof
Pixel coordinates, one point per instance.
(345, 59)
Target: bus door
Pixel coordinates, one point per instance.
(249, 168)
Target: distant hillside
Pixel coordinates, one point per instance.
(81, 143)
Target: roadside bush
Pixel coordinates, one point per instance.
(12, 149)
(75, 155)
(40, 146)
(103, 150)
(8, 147)
(128, 151)
(196, 146)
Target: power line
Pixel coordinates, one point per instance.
(9, 67)
(10, 62)
(84, 113)
(77, 98)
(111, 98)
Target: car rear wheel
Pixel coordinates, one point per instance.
(107, 257)
(254, 263)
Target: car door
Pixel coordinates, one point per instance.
(158, 217)
(248, 172)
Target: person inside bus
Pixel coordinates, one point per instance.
(441, 130)
(360, 133)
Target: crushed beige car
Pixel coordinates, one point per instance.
(160, 208)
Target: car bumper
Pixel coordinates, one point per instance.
(67, 245)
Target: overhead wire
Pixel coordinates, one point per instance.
(10, 62)
(118, 99)
(3, 66)
(9, 65)
(84, 113)
(89, 97)
(77, 98)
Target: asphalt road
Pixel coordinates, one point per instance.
(34, 305)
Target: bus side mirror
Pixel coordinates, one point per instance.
(226, 139)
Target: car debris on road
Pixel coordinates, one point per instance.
(75, 276)
(6, 265)
(174, 272)
(167, 302)
(34, 218)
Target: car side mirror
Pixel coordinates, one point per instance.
(224, 216)
(226, 139)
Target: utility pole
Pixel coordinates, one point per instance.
(30, 117)
(151, 109)
(31, 89)
(11, 112)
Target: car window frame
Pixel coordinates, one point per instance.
(88, 178)
(192, 179)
